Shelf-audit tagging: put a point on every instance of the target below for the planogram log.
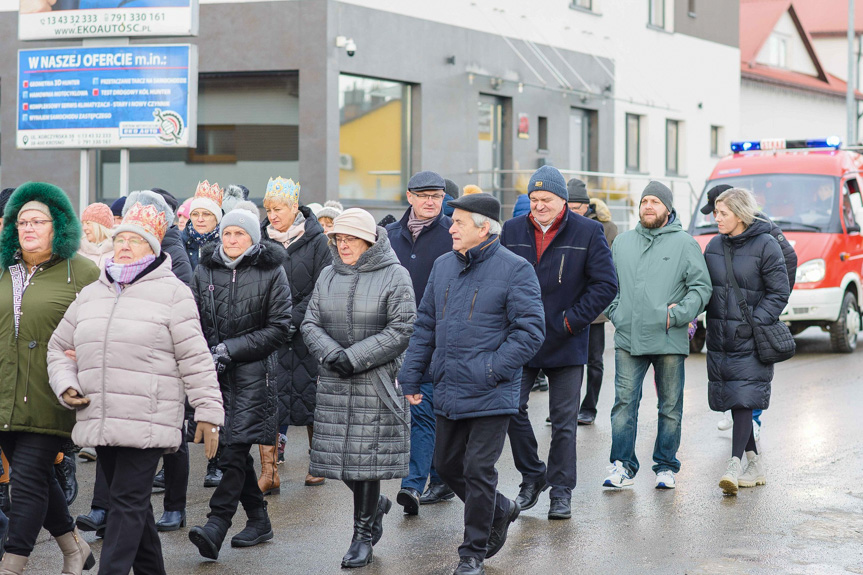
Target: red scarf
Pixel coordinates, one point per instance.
(543, 239)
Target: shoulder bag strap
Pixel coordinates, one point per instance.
(741, 301)
(211, 288)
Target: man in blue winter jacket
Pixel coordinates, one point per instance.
(572, 261)
(418, 239)
(477, 325)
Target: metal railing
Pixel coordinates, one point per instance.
(621, 192)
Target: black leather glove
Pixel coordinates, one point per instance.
(342, 365)
(221, 358)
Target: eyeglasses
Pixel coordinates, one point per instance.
(35, 224)
(133, 242)
(426, 197)
(206, 214)
(347, 240)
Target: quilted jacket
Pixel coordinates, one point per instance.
(298, 369)
(140, 352)
(480, 321)
(736, 378)
(249, 310)
(362, 423)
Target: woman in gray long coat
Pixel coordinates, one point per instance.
(358, 324)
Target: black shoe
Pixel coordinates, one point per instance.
(559, 508)
(586, 417)
(258, 529)
(214, 474)
(93, 521)
(529, 492)
(499, 530)
(171, 521)
(435, 493)
(409, 498)
(65, 472)
(469, 566)
(384, 506)
(159, 480)
(209, 538)
(4, 498)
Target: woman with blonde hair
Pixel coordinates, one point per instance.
(97, 221)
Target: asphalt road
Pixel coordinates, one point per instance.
(808, 519)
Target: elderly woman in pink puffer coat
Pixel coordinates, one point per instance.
(126, 354)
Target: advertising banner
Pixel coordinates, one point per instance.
(107, 97)
(66, 19)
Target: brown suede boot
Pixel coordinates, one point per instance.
(269, 481)
(311, 480)
(76, 553)
(13, 564)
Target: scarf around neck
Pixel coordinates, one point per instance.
(123, 274)
(416, 225)
(232, 264)
(198, 240)
(290, 235)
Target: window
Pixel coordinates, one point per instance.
(691, 8)
(585, 4)
(374, 140)
(248, 132)
(656, 14)
(633, 143)
(672, 140)
(777, 51)
(542, 132)
(715, 141)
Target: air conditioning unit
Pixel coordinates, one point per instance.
(346, 162)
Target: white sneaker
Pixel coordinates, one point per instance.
(665, 479)
(619, 477)
(754, 473)
(729, 482)
(726, 422)
(756, 430)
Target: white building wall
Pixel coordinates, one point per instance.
(768, 111)
(658, 74)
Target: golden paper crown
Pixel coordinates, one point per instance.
(210, 191)
(283, 190)
(147, 218)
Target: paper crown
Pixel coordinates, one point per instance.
(283, 190)
(148, 218)
(210, 191)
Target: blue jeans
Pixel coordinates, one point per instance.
(422, 442)
(628, 380)
(756, 415)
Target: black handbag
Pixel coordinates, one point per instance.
(773, 343)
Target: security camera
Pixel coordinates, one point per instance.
(351, 48)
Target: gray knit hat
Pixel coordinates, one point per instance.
(660, 191)
(330, 210)
(233, 196)
(548, 179)
(245, 215)
(577, 191)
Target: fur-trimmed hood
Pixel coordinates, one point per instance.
(269, 255)
(603, 214)
(67, 228)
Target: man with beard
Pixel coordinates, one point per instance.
(663, 284)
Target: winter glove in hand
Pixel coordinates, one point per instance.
(221, 358)
(342, 365)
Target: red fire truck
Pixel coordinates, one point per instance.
(812, 190)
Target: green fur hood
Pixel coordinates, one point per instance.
(67, 228)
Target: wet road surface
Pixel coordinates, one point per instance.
(808, 519)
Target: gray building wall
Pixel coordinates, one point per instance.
(300, 36)
(714, 20)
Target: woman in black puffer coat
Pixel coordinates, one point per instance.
(737, 379)
(245, 305)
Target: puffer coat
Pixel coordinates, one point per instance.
(362, 423)
(249, 310)
(736, 377)
(298, 368)
(139, 353)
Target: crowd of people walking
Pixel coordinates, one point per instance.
(407, 351)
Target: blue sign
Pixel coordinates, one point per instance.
(107, 97)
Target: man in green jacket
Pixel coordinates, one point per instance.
(663, 284)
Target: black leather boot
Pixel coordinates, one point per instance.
(366, 500)
(258, 529)
(214, 474)
(209, 538)
(65, 472)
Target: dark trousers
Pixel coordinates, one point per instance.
(595, 367)
(39, 500)
(564, 393)
(176, 481)
(239, 483)
(466, 451)
(131, 539)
